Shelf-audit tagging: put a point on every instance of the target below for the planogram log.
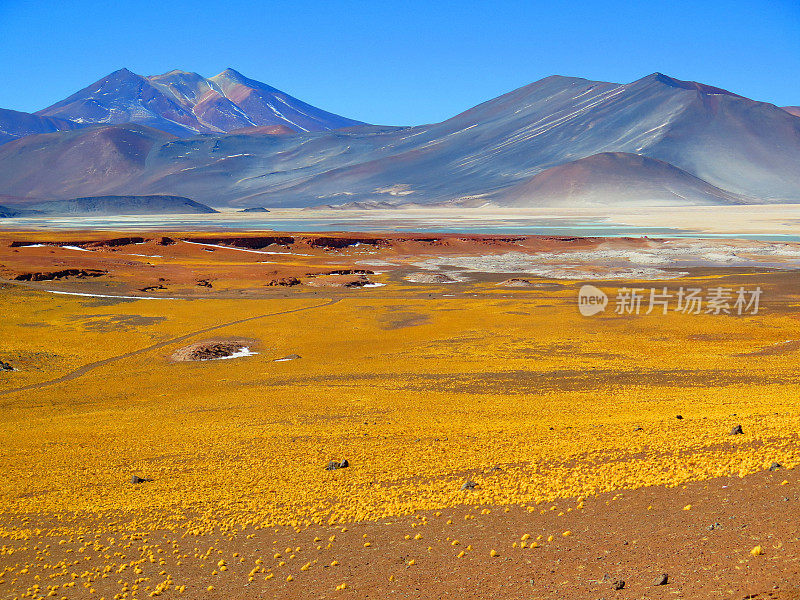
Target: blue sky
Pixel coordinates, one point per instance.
(400, 62)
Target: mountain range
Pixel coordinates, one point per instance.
(561, 141)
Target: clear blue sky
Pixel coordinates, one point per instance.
(400, 62)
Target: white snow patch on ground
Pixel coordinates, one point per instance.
(245, 351)
(109, 296)
(242, 249)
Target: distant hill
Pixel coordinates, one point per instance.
(7, 212)
(15, 124)
(185, 104)
(616, 178)
(120, 205)
(792, 110)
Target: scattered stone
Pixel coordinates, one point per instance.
(468, 485)
(334, 465)
(775, 466)
(204, 283)
(618, 584)
(495, 468)
(150, 288)
(4, 366)
(288, 357)
(737, 430)
(714, 526)
(637, 428)
(136, 479)
(679, 417)
(661, 579)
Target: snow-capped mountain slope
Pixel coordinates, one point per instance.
(185, 104)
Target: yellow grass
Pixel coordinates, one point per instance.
(418, 393)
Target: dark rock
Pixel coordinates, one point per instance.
(618, 584)
(714, 526)
(136, 479)
(661, 579)
(204, 283)
(78, 273)
(678, 417)
(334, 465)
(637, 429)
(737, 430)
(468, 485)
(284, 281)
(4, 366)
(775, 466)
(253, 243)
(166, 241)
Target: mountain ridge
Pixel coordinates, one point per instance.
(734, 148)
(185, 103)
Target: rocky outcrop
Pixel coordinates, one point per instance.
(49, 276)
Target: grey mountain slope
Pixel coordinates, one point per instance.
(739, 145)
(91, 161)
(615, 178)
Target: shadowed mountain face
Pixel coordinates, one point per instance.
(15, 124)
(185, 104)
(707, 145)
(121, 205)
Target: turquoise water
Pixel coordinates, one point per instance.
(556, 226)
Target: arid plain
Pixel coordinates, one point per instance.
(499, 444)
